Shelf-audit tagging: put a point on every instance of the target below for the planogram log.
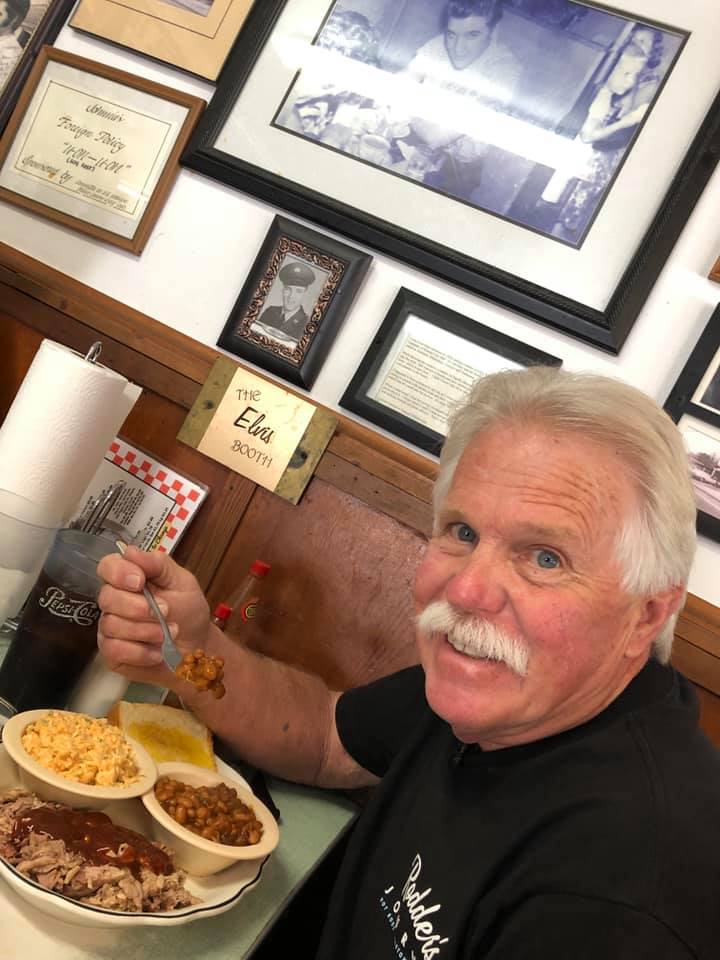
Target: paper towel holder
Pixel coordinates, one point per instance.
(94, 352)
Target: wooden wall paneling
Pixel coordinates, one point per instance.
(338, 600)
(340, 560)
(141, 369)
(696, 653)
(697, 664)
(107, 316)
(164, 346)
(18, 345)
(152, 424)
(699, 624)
(375, 492)
(216, 527)
(383, 457)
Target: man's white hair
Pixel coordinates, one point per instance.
(656, 544)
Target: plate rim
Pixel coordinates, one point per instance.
(118, 917)
(124, 918)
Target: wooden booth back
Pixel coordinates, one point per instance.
(338, 600)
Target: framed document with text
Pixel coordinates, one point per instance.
(421, 365)
(93, 148)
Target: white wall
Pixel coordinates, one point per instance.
(208, 235)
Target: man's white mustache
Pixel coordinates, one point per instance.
(473, 637)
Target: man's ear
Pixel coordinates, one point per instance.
(654, 612)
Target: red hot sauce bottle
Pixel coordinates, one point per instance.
(243, 602)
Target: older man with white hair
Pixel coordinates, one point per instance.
(543, 790)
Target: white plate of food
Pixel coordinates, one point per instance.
(209, 895)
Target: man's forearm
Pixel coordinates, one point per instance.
(276, 716)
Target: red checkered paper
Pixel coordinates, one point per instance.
(156, 503)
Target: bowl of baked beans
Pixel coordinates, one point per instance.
(210, 821)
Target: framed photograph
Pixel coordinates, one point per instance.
(422, 364)
(543, 153)
(694, 404)
(293, 303)
(94, 148)
(25, 25)
(194, 35)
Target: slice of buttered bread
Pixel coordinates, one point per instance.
(166, 732)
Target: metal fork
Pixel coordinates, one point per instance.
(170, 653)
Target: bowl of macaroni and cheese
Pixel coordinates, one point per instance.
(71, 758)
(210, 821)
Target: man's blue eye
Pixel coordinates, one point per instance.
(547, 559)
(465, 533)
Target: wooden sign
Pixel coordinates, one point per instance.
(259, 430)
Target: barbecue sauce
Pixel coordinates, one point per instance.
(94, 836)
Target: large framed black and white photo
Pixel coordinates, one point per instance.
(294, 301)
(25, 26)
(694, 404)
(543, 153)
(422, 364)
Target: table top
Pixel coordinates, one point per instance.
(311, 822)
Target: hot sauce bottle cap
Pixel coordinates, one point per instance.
(222, 611)
(260, 568)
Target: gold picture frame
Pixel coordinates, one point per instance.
(94, 148)
(193, 35)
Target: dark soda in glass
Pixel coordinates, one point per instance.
(57, 634)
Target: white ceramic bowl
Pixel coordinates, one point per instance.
(52, 787)
(194, 853)
(217, 894)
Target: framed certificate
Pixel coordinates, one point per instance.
(422, 364)
(94, 148)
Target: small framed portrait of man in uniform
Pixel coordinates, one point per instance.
(291, 300)
(291, 306)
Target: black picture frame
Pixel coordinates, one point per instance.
(337, 270)
(408, 304)
(605, 328)
(696, 397)
(47, 30)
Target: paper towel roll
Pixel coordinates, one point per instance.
(58, 429)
